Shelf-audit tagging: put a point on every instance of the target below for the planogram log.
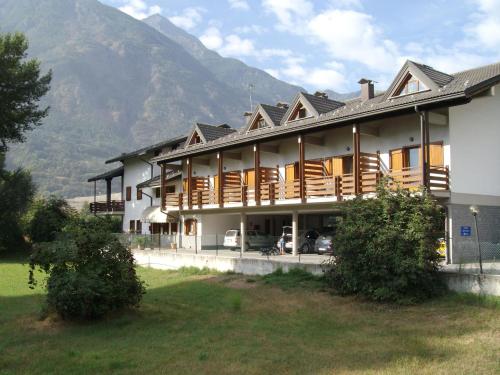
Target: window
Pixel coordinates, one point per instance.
(259, 123)
(411, 85)
(412, 157)
(190, 227)
(170, 189)
(195, 139)
(132, 226)
(128, 193)
(299, 113)
(139, 194)
(158, 192)
(138, 226)
(347, 165)
(173, 228)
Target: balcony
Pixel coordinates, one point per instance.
(111, 207)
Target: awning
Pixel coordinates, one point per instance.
(153, 214)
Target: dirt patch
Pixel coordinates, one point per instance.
(51, 324)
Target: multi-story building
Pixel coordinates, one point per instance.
(295, 164)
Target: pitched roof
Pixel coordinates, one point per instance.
(322, 104)
(274, 113)
(436, 76)
(145, 150)
(108, 175)
(211, 132)
(155, 181)
(459, 90)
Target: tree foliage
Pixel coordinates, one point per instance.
(21, 87)
(385, 247)
(90, 273)
(46, 217)
(16, 194)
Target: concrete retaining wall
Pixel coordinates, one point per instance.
(473, 283)
(245, 266)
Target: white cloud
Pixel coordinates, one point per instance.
(239, 4)
(139, 9)
(236, 46)
(251, 29)
(274, 72)
(352, 35)
(485, 26)
(211, 38)
(290, 13)
(188, 18)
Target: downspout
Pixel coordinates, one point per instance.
(150, 177)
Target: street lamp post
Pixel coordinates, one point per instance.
(475, 211)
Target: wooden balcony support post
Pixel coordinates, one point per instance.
(256, 152)
(356, 159)
(423, 147)
(181, 200)
(302, 190)
(190, 182)
(220, 180)
(163, 191)
(244, 197)
(272, 192)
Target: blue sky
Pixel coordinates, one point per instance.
(331, 44)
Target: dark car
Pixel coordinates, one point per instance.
(324, 243)
(309, 239)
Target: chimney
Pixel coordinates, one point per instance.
(282, 105)
(321, 94)
(367, 89)
(247, 116)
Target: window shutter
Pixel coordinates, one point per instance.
(396, 161)
(128, 193)
(250, 177)
(436, 155)
(132, 226)
(185, 185)
(139, 194)
(327, 167)
(290, 172)
(337, 166)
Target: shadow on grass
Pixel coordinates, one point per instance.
(189, 325)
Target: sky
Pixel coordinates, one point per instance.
(331, 44)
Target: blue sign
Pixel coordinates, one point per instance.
(465, 231)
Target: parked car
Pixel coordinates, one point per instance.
(324, 243)
(306, 240)
(255, 240)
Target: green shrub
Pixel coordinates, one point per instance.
(90, 273)
(385, 247)
(46, 218)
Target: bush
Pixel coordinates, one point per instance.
(47, 217)
(385, 247)
(90, 273)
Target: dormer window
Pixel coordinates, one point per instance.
(259, 123)
(195, 139)
(299, 113)
(411, 85)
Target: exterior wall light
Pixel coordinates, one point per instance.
(412, 139)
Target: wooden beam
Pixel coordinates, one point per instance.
(190, 182)
(356, 158)
(318, 141)
(220, 180)
(301, 167)
(273, 149)
(233, 155)
(256, 151)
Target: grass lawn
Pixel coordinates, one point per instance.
(227, 324)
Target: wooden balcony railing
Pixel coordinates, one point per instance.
(107, 207)
(315, 187)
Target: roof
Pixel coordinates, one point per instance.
(274, 113)
(155, 181)
(211, 132)
(322, 104)
(459, 90)
(145, 150)
(438, 77)
(117, 172)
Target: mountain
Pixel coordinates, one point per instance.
(119, 84)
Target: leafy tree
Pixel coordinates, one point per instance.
(46, 217)
(16, 194)
(385, 247)
(21, 87)
(90, 273)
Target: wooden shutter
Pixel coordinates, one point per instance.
(128, 193)
(138, 226)
(396, 160)
(337, 166)
(289, 172)
(250, 177)
(328, 167)
(436, 155)
(185, 185)
(139, 194)
(132, 226)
